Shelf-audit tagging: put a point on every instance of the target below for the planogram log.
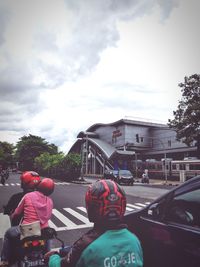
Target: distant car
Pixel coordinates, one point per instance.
(111, 174)
(169, 227)
(125, 177)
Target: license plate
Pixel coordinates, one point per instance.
(35, 263)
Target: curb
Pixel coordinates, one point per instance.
(80, 182)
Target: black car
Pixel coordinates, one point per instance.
(125, 177)
(111, 174)
(169, 227)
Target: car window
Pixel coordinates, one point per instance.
(156, 210)
(185, 209)
(124, 172)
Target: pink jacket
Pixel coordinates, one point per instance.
(35, 206)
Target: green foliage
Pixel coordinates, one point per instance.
(30, 147)
(59, 166)
(46, 161)
(34, 153)
(6, 154)
(186, 120)
(72, 166)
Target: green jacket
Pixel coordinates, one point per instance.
(114, 248)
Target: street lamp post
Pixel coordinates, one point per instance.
(86, 169)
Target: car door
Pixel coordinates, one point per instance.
(169, 229)
(182, 217)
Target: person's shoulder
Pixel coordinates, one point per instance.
(29, 194)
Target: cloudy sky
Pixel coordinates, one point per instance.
(68, 64)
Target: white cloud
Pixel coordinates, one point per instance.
(66, 65)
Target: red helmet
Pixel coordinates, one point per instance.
(46, 186)
(30, 179)
(105, 200)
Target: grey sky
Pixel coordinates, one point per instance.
(65, 65)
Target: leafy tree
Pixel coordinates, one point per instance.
(46, 163)
(186, 120)
(6, 154)
(59, 166)
(72, 165)
(30, 147)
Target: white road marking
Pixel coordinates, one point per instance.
(77, 215)
(68, 223)
(133, 206)
(4, 224)
(140, 204)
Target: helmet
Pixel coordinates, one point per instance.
(30, 179)
(46, 186)
(105, 200)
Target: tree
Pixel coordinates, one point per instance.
(186, 120)
(72, 166)
(6, 154)
(48, 164)
(66, 167)
(30, 147)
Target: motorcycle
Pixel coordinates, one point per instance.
(4, 176)
(32, 249)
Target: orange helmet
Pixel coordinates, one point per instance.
(30, 179)
(46, 186)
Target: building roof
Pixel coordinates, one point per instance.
(107, 149)
(127, 121)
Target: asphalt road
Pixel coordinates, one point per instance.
(69, 215)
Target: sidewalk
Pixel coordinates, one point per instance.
(154, 182)
(159, 182)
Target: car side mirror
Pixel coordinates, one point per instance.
(154, 211)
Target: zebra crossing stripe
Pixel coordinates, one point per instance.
(133, 206)
(63, 219)
(18, 184)
(77, 215)
(68, 224)
(82, 208)
(62, 183)
(128, 209)
(140, 204)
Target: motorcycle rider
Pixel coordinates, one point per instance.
(4, 173)
(109, 243)
(35, 206)
(29, 181)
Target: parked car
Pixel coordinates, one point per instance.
(125, 176)
(169, 227)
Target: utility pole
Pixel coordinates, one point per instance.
(86, 169)
(165, 156)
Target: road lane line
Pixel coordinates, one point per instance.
(82, 208)
(63, 219)
(133, 206)
(140, 204)
(77, 215)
